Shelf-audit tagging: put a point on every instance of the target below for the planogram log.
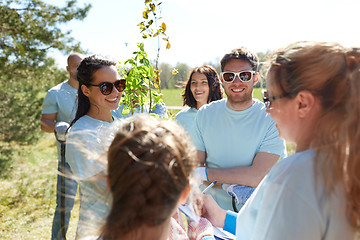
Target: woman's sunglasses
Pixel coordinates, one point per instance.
(244, 76)
(107, 87)
(269, 99)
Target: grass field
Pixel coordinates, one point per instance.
(172, 97)
(27, 192)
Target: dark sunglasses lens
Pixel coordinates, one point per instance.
(120, 85)
(229, 77)
(266, 99)
(106, 88)
(267, 104)
(245, 76)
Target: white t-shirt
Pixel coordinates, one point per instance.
(233, 138)
(86, 145)
(290, 203)
(186, 118)
(61, 99)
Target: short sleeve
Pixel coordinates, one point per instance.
(179, 118)
(272, 143)
(197, 138)
(49, 104)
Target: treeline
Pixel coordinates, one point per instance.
(28, 30)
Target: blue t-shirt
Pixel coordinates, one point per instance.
(186, 118)
(291, 203)
(61, 99)
(233, 138)
(86, 145)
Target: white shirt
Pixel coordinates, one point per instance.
(291, 203)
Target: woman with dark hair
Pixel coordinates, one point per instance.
(150, 163)
(202, 87)
(99, 93)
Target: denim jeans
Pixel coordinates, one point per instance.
(70, 192)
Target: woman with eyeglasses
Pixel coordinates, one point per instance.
(150, 165)
(314, 98)
(202, 87)
(99, 93)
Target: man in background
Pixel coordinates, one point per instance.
(236, 139)
(60, 105)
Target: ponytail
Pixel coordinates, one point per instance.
(351, 166)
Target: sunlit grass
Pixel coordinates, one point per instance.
(172, 97)
(27, 199)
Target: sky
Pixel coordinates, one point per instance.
(202, 31)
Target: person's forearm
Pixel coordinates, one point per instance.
(47, 125)
(247, 176)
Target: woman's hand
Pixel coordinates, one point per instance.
(211, 211)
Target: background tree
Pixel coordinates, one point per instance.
(143, 83)
(183, 73)
(165, 76)
(263, 57)
(29, 29)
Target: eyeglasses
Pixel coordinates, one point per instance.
(244, 76)
(268, 100)
(107, 87)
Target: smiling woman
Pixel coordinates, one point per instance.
(99, 93)
(202, 87)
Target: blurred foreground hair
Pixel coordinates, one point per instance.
(149, 166)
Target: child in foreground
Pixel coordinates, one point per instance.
(150, 163)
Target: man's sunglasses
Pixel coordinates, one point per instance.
(107, 87)
(244, 76)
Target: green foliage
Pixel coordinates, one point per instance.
(182, 73)
(6, 154)
(28, 193)
(143, 79)
(165, 76)
(263, 57)
(149, 26)
(140, 84)
(28, 30)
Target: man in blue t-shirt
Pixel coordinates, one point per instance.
(236, 139)
(60, 105)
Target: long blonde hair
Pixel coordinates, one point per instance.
(331, 73)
